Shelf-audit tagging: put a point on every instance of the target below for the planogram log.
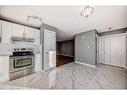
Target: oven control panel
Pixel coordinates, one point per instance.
(22, 49)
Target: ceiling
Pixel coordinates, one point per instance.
(67, 19)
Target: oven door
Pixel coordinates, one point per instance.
(21, 62)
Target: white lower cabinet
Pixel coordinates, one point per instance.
(38, 63)
(4, 68)
(112, 50)
(6, 32)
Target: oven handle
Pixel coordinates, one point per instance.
(21, 57)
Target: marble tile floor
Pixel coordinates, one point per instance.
(75, 76)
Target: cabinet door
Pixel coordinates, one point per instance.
(29, 32)
(6, 32)
(17, 30)
(37, 36)
(107, 50)
(38, 65)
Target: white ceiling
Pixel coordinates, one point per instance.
(67, 19)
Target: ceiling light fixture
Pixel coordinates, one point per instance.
(87, 11)
(34, 18)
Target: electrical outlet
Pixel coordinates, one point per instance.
(81, 59)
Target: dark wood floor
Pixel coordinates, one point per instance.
(61, 60)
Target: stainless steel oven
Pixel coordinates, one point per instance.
(22, 58)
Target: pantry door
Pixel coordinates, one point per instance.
(49, 45)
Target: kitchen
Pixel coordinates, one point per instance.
(20, 50)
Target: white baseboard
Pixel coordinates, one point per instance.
(65, 55)
(85, 64)
(4, 79)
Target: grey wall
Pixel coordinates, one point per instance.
(66, 48)
(85, 47)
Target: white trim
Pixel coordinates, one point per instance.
(93, 66)
(3, 79)
(114, 35)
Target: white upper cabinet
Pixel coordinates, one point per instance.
(6, 31)
(29, 32)
(37, 36)
(18, 30)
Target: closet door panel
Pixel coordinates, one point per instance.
(107, 50)
(100, 56)
(101, 49)
(118, 49)
(122, 51)
(113, 51)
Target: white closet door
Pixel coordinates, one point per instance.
(101, 49)
(118, 51)
(107, 50)
(114, 48)
(121, 51)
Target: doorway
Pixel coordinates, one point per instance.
(65, 52)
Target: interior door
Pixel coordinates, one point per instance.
(114, 48)
(118, 51)
(107, 50)
(49, 45)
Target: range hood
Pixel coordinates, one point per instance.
(22, 39)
